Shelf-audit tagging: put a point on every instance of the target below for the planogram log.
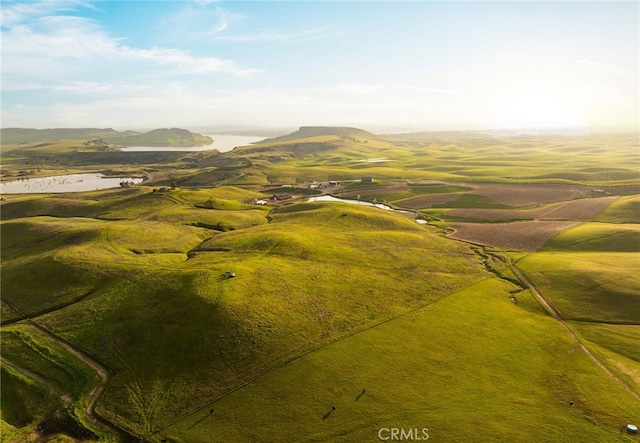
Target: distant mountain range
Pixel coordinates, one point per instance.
(173, 137)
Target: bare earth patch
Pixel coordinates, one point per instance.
(526, 195)
(521, 235)
(583, 209)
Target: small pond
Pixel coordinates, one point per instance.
(331, 198)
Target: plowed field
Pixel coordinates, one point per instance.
(527, 195)
(583, 210)
(521, 235)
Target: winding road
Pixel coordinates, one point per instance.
(553, 312)
(98, 423)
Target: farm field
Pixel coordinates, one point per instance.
(528, 195)
(624, 210)
(422, 370)
(520, 236)
(579, 210)
(119, 275)
(332, 305)
(579, 292)
(589, 274)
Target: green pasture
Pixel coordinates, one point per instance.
(617, 345)
(623, 210)
(597, 237)
(328, 299)
(64, 373)
(473, 366)
(24, 403)
(588, 286)
(472, 201)
(343, 157)
(54, 401)
(397, 193)
(325, 153)
(589, 272)
(177, 332)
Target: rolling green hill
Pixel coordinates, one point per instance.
(163, 137)
(311, 275)
(10, 136)
(120, 316)
(156, 137)
(319, 131)
(624, 210)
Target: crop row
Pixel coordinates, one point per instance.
(521, 235)
(583, 210)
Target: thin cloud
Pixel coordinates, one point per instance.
(281, 37)
(90, 87)
(183, 60)
(63, 37)
(199, 20)
(436, 90)
(358, 88)
(12, 13)
(607, 67)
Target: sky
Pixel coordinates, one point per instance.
(419, 65)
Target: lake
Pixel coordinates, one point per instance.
(222, 143)
(63, 183)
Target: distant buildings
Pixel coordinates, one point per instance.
(275, 198)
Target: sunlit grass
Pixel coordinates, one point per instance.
(472, 361)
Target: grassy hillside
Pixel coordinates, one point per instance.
(624, 210)
(589, 272)
(315, 131)
(446, 367)
(141, 295)
(53, 247)
(598, 162)
(332, 305)
(20, 136)
(163, 137)
(598, 237)
(156, 137)
(24, 403)
(580, 290)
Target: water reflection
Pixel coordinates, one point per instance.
(64, 183)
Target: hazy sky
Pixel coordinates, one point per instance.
(421, 64)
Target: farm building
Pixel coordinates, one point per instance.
(367, 180)
(280, 197)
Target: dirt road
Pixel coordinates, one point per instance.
(555, 314)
